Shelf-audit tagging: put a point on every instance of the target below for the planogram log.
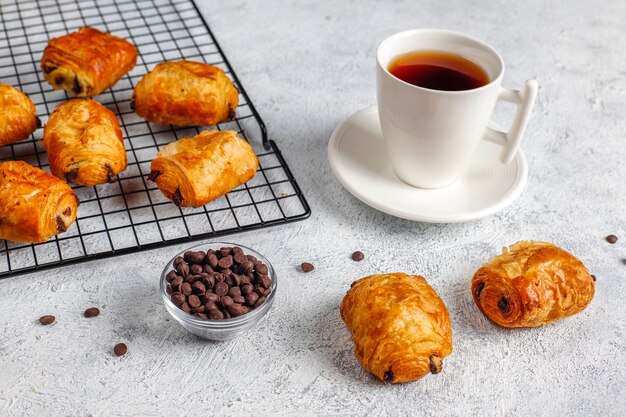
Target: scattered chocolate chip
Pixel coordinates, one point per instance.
(92, 312)
(120, 349)
(593, 277)
(307, 267)
(436, 364)
(504, 305)
(388, 377)
(59, 80)
(154, 175)
(70, 176)
(61, 225)
(611, 239)
(46, 320)
(358, 256)
(67, 211)
(479, 289)
(177, 198)
(38, 121)
(231, 114)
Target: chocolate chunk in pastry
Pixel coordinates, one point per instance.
(87, 62)
(531, 284)
(18, 118)
(400, 327)
(84, 143)
(193, 171)
(186, 93)
(34, 205)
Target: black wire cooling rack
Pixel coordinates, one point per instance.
(131, 214)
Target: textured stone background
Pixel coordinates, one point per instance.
(307, 68)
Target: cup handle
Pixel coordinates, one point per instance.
(525, 100)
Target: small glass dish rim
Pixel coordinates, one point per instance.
(223, 324)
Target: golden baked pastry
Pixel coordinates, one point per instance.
(186, 93)
(34, 205)
(193, 171)
(18, 118)
(84, 143)
(87, 62)
(400, 326)
(532, 284)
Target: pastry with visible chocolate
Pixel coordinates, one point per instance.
(87, 62)
(84, 143)
(400, 327)
(34, 205)
(532, 284)
(194, 171)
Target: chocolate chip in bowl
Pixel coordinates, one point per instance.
(218, 290)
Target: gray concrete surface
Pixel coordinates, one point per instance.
(307, 67)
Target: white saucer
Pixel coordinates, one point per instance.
(359, 161)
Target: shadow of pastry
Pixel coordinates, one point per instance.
(335, 348)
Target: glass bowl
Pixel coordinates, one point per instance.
(219, 329)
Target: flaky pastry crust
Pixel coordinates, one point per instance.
(34, 205)
(84, 143)
(18, 117)
(186, 93)
(531, 284)
(193, 171)
(87, 62)
(400, 326)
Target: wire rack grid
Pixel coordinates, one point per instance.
(131, 214)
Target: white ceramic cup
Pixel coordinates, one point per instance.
(430, 135)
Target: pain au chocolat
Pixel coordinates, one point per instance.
(186, 93)
(87, 62)
(84, 143)
(193, 171)
(531, 284)
(18, 117)
(34, 205)
(400, 327)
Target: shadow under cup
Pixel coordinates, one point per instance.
(430, 135)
